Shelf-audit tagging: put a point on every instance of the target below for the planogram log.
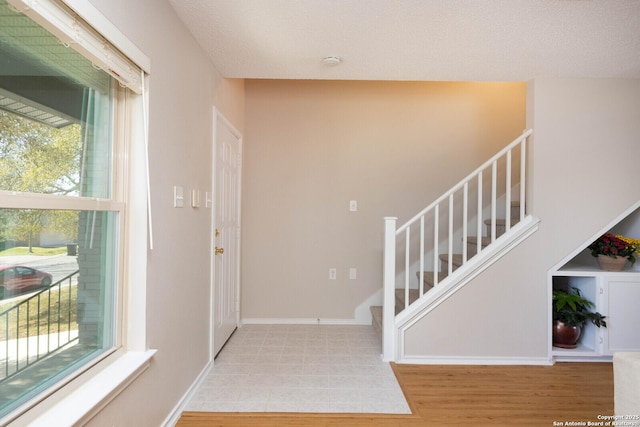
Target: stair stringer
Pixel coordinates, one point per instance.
(458, 279)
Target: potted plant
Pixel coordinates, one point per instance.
(570, 313)
(613, 251)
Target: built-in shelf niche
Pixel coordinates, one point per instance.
(584, 262)
(588, 286)
(615, 295)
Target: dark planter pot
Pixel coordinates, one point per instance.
(565, 336)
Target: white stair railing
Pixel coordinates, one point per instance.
(464, 220)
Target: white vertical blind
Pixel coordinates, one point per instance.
(145, 130)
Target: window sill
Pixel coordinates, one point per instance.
(88, 399)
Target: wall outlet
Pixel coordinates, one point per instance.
(353, 274)
(353, 205)
(333, 274)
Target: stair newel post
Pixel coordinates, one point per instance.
(421, 273)
(494, 196)
(479, 218)
(450, 236)
(436, 237)
(507, 197)
(465, 217)
(407, 264)
(389, 284)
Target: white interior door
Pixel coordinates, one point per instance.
(226, 234)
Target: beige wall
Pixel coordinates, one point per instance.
(585, 154)
(184, 87)
(311, 146)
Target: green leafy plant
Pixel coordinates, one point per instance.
(615, 245)
(572, 309)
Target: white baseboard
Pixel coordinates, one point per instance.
(175, 414)
(303, 321)
(603, 359)
(463, 360)
(97, 385)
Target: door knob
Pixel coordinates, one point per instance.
(218, 251)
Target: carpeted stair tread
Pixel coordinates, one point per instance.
(376, 319)
(414, 294)
(456, 259)
(473, 240)
(501, 222)
(428, 279)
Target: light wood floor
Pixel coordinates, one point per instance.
(465, 395)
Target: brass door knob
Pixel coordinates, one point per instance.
(218, 251)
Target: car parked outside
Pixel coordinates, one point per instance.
(17, 278)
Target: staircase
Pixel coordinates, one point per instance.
(456, 260)
(451, 241)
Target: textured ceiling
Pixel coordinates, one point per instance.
(438, 40)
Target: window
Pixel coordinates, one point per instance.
(63, 205)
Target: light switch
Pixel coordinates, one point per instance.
(178, 196)
(195, 198)
(353, 205)
(353, 275)
(208, 202)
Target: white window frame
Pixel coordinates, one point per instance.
(76, 402)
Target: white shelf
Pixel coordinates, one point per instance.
(581, 353)
(580, 350)
(577, 268)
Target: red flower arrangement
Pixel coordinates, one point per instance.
(615, 246)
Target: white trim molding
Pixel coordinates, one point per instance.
(303, 321)
(79, 406)
(475, 360)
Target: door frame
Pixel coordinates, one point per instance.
(210, 202)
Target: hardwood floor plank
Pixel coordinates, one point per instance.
(441, 395)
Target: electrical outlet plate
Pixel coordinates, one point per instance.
(333, 273)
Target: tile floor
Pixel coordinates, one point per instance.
(301, 368)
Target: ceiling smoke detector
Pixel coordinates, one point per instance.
(332, 61)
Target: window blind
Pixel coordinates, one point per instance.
(67, 19)
(74, 32)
